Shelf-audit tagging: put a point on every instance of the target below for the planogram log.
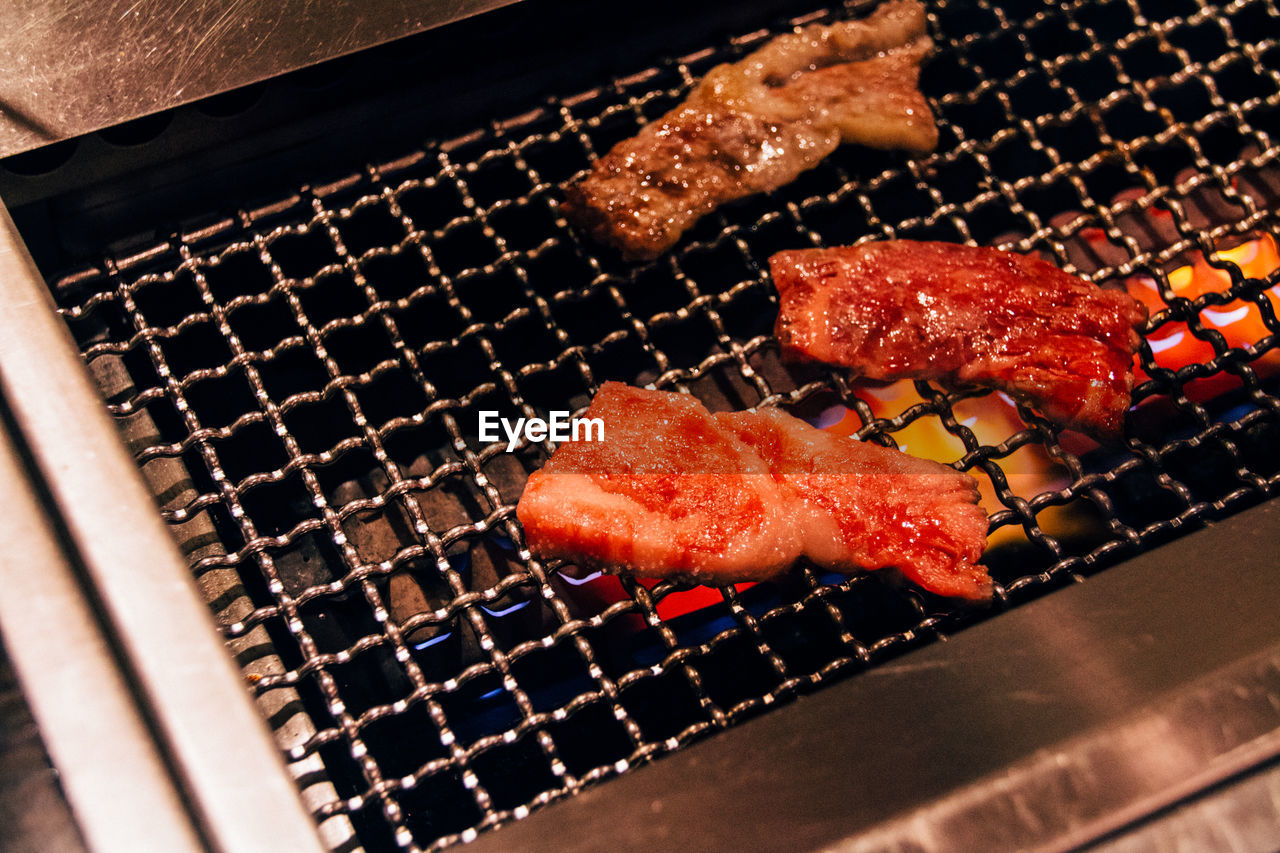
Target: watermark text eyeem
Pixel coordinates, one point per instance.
(560, 427)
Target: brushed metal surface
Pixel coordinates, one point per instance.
(115, 778)
(229, 771)
(1240, 817)
(1050, 726)
(73, 67)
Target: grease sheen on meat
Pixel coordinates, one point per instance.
(902, 309)
(754, 125)
(860, 505)
(674, 491)
(653, 495)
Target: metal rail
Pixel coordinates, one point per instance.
(118, 585)
(112, 772)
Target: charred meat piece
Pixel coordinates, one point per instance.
(754, 125)
(674, 491)
(964, 315)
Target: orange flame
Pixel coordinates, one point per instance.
(993, 418)
(1175, 345)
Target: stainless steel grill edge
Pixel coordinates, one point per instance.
(102, 586)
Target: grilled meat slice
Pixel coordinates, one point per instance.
(674, 491)
(668, 492)
(964, 315)
(754, 125)
(863, 506)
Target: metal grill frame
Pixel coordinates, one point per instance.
(455, 164)
(112, 611)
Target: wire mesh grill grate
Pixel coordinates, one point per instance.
(315, 368)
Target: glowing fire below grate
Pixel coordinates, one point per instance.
(993, 418)
(1175, 344)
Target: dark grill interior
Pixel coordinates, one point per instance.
(301, 381)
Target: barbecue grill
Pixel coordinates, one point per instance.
(294, 315)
